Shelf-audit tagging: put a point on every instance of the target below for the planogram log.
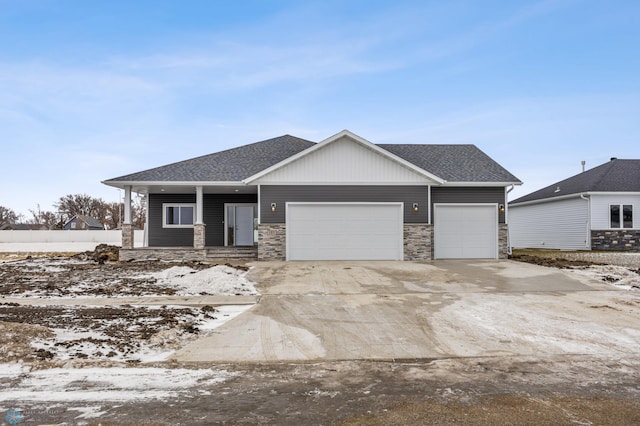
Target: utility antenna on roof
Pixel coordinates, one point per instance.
(583, 164)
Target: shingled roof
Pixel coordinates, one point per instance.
(453, 163)
(613, 176)
(231, 165)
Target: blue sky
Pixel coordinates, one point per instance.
(91, 90)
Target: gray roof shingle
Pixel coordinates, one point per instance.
(612, 176)
(453, 163)
(90, 221)
(231, 165)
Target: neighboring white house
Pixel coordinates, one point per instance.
(598, 209)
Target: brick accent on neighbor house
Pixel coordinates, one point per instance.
(618, 239)
(199, 236)
(503, 241)
(272, 241)
(127, 236)
(418, 239)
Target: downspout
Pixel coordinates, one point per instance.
(506, 217)
(587, 242)
(429, 204)
(145, 241)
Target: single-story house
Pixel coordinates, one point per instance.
(598, 209)
(344, 198)
(82, 222)
(23, 227)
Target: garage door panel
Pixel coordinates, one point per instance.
(344, 231)
(465, 232)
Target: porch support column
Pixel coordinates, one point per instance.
(127, 227)
(199, 226)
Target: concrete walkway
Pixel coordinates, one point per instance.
(406, 310)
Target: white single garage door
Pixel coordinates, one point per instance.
(465, 231)
(344, 231)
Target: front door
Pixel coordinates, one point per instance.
(244, 226)
(239, 224)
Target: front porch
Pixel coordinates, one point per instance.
(198, 223)
(187, 254)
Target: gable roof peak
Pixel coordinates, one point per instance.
(359, 140)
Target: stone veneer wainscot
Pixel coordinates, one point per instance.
(622, 239)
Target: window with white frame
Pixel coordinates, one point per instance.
(178, 215)
(621, 216)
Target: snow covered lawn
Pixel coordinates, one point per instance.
(67, 278)
(95, 331)
(99, 384)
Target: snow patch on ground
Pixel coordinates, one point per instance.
(219, 280)
(94, 340)
(104, 384)
(223, 314)
(618, 276)
(13, 369)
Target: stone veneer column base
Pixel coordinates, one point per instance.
(199, 236)
(127, 236)
(503, 241)
(418, 239)
(272, 241)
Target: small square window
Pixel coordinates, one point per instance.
(178, 215)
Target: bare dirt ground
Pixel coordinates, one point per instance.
(71, 378)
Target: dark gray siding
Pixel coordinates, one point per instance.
(280, 194)
(213, 216)
(468, 195)
(168, 237)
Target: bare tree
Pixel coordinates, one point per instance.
(139, 212)
(115, 213)
(110, 214)
(51, 220)
(80, 204)
(8, 216)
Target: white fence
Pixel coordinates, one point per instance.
(62, 240)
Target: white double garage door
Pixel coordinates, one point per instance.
(374, 231)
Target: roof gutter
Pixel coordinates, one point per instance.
(547, 200)
(497, 184)
(122, 183)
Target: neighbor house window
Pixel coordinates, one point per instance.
(178, 215)
(621, 215)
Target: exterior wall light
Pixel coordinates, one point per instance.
(501, 208)
(273, 207)
(415, 207)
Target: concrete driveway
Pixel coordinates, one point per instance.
(415, 310)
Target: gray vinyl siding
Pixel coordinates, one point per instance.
(561, 224)
(214, 214)
(281, 194)
(168, 237)
(213, 217)
(469, 195)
